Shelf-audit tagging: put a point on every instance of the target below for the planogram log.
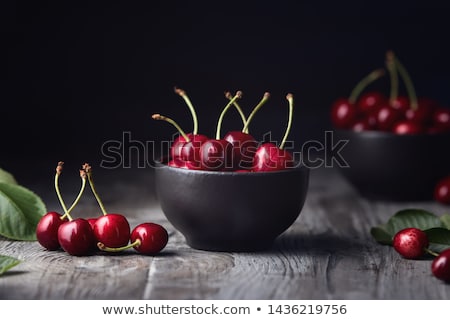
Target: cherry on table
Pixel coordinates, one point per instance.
(442, 191)
(441, 119)
(411, 243)
(112, 229)
(440, 267)
(47, 230)
(76, 237)
(149, 238)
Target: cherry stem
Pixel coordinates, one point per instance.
(363, 83)
(238, 108)
(183, 94)
(59, 168)
(408, 84)
(88, 169)
(238, 95)
(390, 65)
(255, 110)
(290, 99)
(102, 246)
(157, 116)
(431, 252)
(80, 193)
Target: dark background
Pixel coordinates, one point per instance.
(78, 75)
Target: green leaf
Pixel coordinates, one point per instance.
(7, 177)
(413, 218)
(381, 235)
(446, 220)
(20, 212)
(7, 263)
(439, 239)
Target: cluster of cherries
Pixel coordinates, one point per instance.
(412, 243)
(236, 151)
(110, 232)
(398, 114)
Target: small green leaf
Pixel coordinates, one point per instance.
(7, 263)
(413, 218)
(20, 212)
(7, 177)
(381, 235)
(446, 220)
(439, 239)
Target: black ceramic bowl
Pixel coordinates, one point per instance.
(231, 211)
(388, 166)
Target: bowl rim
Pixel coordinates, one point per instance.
(297, 167)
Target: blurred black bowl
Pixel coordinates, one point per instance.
(387, 166)
(231, 211)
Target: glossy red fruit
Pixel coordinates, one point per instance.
(113, 230)
(269, 157)
(244, 149)
(422, 115)
(401, 103)
(47, 230)
(153, 238)
(370, 100)
(76, 237)
(216, 155)
(92, 222)
(407, 127)
(363, 125)
(411, 243)
(440, 267)
(441, 119)
(442, 191)
(386, 117)
(343, 114)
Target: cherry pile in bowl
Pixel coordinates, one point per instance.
(390, 115)
(236, 151)
(109, 232)
(398, 114)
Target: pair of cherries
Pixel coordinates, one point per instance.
(236, 151)
(110, 232)
(397, 114)
(412, 243)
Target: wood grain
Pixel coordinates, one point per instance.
(327, 253)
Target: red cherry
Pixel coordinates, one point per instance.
(152, 237)
(441, 119)
(363, 125)
(440, 267)
(407, 127)
(216, 155)
(386, 117)
(244, 148)
(442, 191)
(113, 230)
(368, 101)
(343, 114)
(190, 150)
(47, 230)
(92, 222)
(422, 115)
(76, 237)
(411, 243)
(269, 157)
(400, 103)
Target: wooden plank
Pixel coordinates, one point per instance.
(327, 254)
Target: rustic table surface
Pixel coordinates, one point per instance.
(328, 253)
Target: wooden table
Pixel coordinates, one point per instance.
(327, 253)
